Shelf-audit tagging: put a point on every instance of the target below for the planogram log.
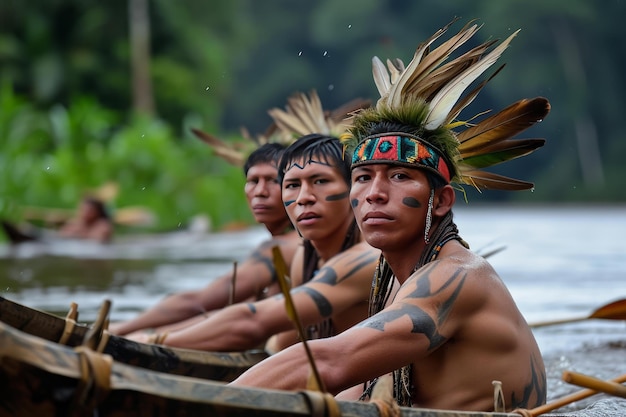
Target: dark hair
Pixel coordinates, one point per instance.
(268, 153)
(318, 147)
(100, 207)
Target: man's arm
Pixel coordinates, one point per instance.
(409, 329)
(381, 342)
(254, 274)
(341, 283)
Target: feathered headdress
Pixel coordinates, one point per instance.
(414, 120)
(302, 115)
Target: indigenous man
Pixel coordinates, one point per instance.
(451, 327)
(332, 270)
(255, 275)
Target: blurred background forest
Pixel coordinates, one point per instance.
(94, 92)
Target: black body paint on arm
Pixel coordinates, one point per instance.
(258, 257)
(323, 305)
(328, 275)
(422, 323)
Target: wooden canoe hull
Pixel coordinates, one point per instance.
(45, 379)
(216, 366)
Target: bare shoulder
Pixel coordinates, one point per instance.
(461, 280)
(462, 260)
(361, 252)
(288, 241)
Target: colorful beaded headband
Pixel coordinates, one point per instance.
(403, 149)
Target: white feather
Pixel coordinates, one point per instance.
(444, 100)
(381, 76)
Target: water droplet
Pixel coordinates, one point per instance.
(349, 26)
(300, 53)
(331, 87)
(532, 190)
(179, 224)
(325, 53)
(143, 136)
(143, 188)
(47, 168)
(207, 88)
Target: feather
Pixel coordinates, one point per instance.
(396, 67)
(507, 123)
(381, 76)
(410, 73)
(304, 115)
(435, 58)
(222, 149)
(445, 99)
(436, 86)
(490, 181)
(338, 115)
(469, 98)
(501, 151)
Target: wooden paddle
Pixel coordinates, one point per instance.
(615, 310)
(591, 382)
(314, 382)
(563, 401)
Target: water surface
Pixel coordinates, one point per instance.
(558, 262)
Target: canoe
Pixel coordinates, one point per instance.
(217, 366)
(42, 378)
(45, 379)
(15, 235)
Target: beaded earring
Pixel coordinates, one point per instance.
(429, 215)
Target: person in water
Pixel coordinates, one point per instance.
(92, 221)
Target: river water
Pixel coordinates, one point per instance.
(558, 262)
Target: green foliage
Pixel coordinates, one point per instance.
(51, 158)
(66, 99)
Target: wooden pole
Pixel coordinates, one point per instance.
(568, 399)
(586, 381)
(615, 310)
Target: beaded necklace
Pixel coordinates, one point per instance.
(382, 285)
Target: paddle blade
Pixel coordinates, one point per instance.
(615, 310)
(612, 311)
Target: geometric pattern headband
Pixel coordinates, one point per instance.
(400, 149)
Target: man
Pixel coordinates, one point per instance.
(332, 271)
(451, 327)
(255, 275)
(92, 221)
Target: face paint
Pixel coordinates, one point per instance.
(288, 203)
(337, 197)
(411, 202)
(354, 202)
(310, 161)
